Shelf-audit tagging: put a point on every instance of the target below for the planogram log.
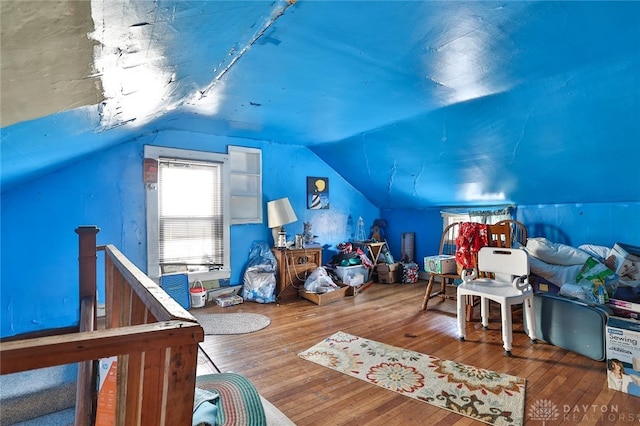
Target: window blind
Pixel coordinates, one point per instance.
(190, 210)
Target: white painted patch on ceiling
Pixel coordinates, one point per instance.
(138, 82)
(463, 63)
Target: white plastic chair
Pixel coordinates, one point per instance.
(510, 286)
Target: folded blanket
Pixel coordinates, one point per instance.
(555, 253)
(556, 274)
(559, 263)
(205, 408)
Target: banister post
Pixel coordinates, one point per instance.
(87, 260)
(86, 393)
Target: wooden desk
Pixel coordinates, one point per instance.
(294, 266)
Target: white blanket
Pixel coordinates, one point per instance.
(559, 263)
(556, 274)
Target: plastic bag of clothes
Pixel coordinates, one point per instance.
(350, 254)
(260, 276)
(319, 281)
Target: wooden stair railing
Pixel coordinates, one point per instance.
(155, 340)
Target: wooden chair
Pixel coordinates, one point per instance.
(508, 286)
(518, 231)
(447, 247)
(501, 234)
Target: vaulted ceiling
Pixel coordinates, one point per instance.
(416, 103)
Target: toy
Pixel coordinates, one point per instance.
(378, 230)
(307, 235)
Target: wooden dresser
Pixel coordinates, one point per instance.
(294, 265)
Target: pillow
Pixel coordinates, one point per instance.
(600, 253)
(555, 253)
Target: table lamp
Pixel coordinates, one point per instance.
(280, 213)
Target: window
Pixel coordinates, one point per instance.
(452, 217)
(245, 184)
(489, 216)
(188, 214)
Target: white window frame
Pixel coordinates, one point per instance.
(153, 255)
(448, 218)
(245, 184)
(463, 215)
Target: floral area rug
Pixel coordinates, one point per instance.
(483, 395)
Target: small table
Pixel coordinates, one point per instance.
(294, 266)
(374, 250)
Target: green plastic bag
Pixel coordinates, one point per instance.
(594, 275)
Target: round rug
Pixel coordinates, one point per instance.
(232, 323)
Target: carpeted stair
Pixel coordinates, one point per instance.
(46, 396)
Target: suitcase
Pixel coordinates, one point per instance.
(541, 285)
(572, 324)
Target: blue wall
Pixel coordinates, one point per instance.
(573, 224)
(40, 248)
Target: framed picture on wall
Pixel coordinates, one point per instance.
(317, 193)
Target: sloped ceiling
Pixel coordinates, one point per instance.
(416, 103)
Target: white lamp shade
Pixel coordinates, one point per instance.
(280, 212)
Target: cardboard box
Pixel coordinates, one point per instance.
(624, 304)
(353, 275)
(354, 290)
(624, 308)
(213, 294)
(623, 351)
(323, 298)
(626, 262)
(229, 300)
(440, 264)
(107, 391)
(389, 273)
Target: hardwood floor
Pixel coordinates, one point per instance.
(390, 313)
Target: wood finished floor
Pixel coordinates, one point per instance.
(310, 394)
